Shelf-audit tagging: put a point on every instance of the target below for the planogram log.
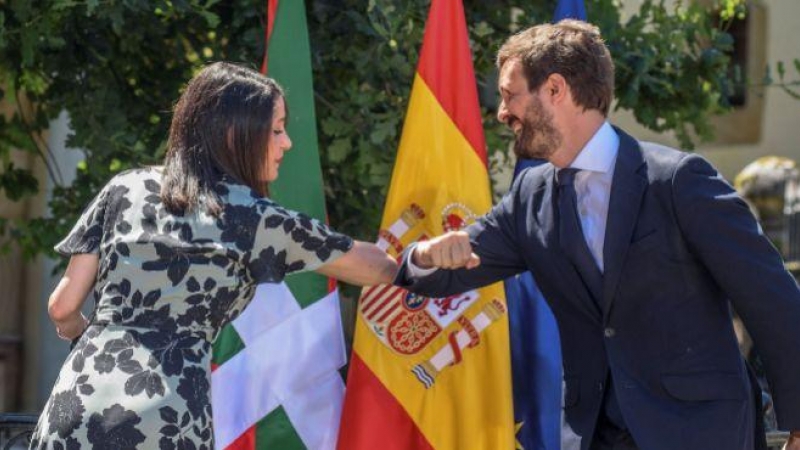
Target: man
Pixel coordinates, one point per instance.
(638, 249)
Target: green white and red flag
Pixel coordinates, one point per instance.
(275, 383)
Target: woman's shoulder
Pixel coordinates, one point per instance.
(245, 198)
(131, 178)
(132, 184)
(240, 204)
(236, 193)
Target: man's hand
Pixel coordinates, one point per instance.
(794, 441)
(448, 251)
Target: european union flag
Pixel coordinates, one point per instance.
(535, 346)
(569, 9)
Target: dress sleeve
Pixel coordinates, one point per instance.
(288, 241)
(87, 233)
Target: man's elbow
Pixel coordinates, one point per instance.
(432, 286)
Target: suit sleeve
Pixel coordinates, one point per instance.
(722, 232)
(494, 239)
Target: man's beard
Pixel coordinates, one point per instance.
(538, 138)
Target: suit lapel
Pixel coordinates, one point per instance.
(544, 213)
(566, 274)
(627, 189)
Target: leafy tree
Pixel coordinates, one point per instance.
(117, 67)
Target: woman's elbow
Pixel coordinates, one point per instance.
(59, 308)
(67, 298)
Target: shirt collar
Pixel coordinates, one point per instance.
(600, 153)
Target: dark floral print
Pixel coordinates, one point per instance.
(239, 224)
(104, 363)
(148, 382)
(83, 350)
(270, 266)
(116, 204)
(64, 415)
(175, 258)
(194, 388)
(139, 375)
(115, 429)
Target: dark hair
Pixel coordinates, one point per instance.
(221, 126)
(571, 48)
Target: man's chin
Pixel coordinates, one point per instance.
(525, 153)
(528, 154)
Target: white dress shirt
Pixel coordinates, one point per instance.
(593, 188)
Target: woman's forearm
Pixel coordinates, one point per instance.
(364, 265)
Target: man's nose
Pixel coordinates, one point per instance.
(502, 112)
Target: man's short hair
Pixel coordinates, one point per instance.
(572, 48)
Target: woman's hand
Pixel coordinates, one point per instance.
(72, 327)
(364, 265)
(64, 306)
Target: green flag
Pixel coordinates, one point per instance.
(275, 382)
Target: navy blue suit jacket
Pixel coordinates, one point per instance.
(680, 244)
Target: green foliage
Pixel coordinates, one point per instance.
(671, 68)
(362, 104)
(117, 68)
(790, 86)
(18, 182)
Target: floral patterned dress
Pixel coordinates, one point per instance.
(139, 376)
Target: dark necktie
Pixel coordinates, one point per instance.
(571, 237)
(574, 245)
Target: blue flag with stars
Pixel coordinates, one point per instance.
(536, 369)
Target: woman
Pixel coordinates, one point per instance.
(171, 255)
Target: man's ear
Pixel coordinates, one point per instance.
(556, 88)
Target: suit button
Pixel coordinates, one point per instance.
(609, 332)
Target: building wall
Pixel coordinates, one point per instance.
(29, 369)
(12, 291)
(774, 128)
(47, 351)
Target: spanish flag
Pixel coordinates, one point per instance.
(433, 373)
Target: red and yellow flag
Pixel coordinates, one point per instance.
(433, 373)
